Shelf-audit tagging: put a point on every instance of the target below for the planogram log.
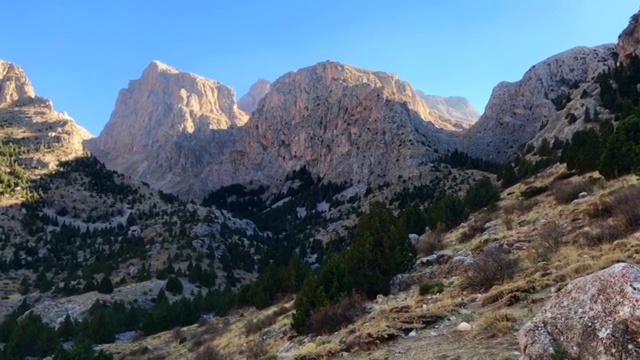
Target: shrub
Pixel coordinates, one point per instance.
(256, 350)
(521, 207)
(564, 192)
(431, 242)
(209, 353)
(331, 318)
(605, 232)
(431, 288)
(600, 210)
(626, 207)
(177, 333)
(489, 268)
(533, 191)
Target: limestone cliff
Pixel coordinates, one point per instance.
(32, 123)
(453, 107)
(629, 39)
(538, 105)
(341, 122)
(166, 125)
(249, 101)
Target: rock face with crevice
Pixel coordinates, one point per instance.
(594, 317)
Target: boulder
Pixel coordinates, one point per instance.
(463, 326)
(400, 282)
(583, 195)
(594, 317)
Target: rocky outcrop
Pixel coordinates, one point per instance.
(453, 107)
(166, 126)
(537, 106)
(341, 122)
(629, 39)
(14, 84)
(594, 317)
(249, 101)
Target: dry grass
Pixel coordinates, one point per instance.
(474, 228)
(494, 324)
(520, 206)
(253, 326)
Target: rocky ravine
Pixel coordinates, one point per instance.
(185, 134)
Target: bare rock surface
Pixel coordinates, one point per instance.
(14, 84)
(594, 317)
(537, 106)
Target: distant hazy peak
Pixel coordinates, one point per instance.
(249, 101)
(14, 84)
(456, 108)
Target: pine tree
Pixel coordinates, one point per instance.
(509, 177)
(105, 286)
(66, 330)
(482, 194)
(174, 285)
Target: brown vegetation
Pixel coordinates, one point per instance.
(491, 267)
(331, 318)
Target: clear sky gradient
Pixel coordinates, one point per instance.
(81, 53)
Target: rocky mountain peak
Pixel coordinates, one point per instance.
(159, 117)
(629, 39)
(249, 101)
(14, 84)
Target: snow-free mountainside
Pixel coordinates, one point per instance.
(333, 212)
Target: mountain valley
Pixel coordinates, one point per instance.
(333, 212)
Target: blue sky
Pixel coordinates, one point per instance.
(81, 53)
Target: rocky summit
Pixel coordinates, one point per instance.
(166, 126)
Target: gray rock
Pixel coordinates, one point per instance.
(582, 195)
(400, 282)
